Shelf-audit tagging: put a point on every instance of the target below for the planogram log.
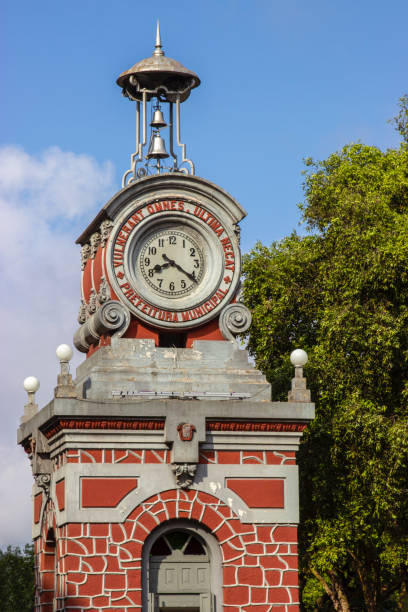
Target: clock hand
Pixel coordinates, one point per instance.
(158, 268)
(190, 276)
(173, 263)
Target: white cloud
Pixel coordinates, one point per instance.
(45, 202)
(16, 486)
(56, 183)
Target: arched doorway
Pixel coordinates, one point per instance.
(181, 570)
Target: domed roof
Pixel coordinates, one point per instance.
(158, 74)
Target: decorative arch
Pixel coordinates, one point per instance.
(258, 561)
(226, 537)
(198, 541)
(46, 553)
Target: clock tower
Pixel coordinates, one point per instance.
(165, 477)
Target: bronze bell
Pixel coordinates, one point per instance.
(158, 119)
(157, 148)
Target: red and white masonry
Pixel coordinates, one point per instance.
(99, 565)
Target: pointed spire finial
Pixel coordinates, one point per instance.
(158, 50)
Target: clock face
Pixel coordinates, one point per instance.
(171, 262)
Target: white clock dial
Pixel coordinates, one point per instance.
(173, 258)
(171, 262)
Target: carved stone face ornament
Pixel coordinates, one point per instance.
(105, 230)
(95, 241)
(83, 311)
(104, 292)
(93, 301)
(85, 254)
(184, 474)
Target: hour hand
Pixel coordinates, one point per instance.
(159, 268)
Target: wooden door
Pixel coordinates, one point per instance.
(179, 574)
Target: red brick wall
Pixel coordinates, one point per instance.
(221, 457)
(45, 562)
(91, 455)
(99, 565)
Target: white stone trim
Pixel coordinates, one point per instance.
(155, 478)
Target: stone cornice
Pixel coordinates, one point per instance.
(242, 411)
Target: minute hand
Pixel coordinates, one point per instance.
(173, 263)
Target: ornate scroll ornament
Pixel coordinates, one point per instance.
(104, 292)
(43, 481)
(93, 301)
(85, 254)
(82, 313)
(112, 318)
(184, 473)
(39, 454)
(95, 240)
(234, 319)
(186, 431)
(105, 230)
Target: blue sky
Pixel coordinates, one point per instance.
(280, 81)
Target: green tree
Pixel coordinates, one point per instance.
(17, 579)
(401, 120)
(341, 293)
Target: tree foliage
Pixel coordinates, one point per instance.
(17, 579)
(341, 293)
(401, 120)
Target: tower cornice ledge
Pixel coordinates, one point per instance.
(231, 411)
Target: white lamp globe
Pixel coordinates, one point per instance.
(64, 352)
(31, 384)
(299, 357)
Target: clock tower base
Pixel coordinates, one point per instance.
(166, 477)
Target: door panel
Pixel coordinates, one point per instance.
(202, 576)
(169, 580)
(185, 575)
(167, 577)
(179, 574)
